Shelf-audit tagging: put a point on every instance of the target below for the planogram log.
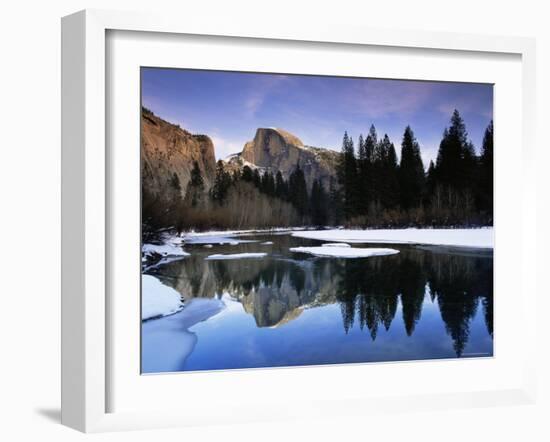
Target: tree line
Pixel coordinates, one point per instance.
(239, 199)
(371, 189)
(375, 189)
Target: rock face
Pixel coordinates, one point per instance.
(167, 149)
(276, 149)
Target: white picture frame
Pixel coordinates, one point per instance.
(87, 211)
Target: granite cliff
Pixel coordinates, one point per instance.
(278, 150)
(167, 149)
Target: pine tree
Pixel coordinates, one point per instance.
(370, 182)
(318, 204)
(485, 198)
(361, 148)
(341, 165)
(335, 201)
(363, 172)
(347, 177)
(298, 191)
(456, 174)
(270, 184)
(411, 171)
(281, 186)
(175, 203)
(470, 171)
(196, 177)
(222, 181)
(430, 179)
(264, 183)
(195, 188)
(175, 185)
(370, 143)
(392, 168)
(451, 165)
(256, 178)
(247, 174)
(385, 171)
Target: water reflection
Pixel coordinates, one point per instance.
(370, 293)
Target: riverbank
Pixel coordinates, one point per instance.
(173, 246)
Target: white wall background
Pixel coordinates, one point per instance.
(30, 220)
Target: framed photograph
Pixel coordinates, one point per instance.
(279, 223)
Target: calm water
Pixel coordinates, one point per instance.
(291, 309)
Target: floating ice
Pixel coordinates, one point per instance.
(236, 256)
(343, 252)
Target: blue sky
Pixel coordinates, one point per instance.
(229, 106)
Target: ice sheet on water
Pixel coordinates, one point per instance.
(343, 252)
(472, 238)
(168, 342)
(236, 256)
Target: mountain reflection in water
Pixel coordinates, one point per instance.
(373, 294)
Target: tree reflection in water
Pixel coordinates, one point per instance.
(370, 292)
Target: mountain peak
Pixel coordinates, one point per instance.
(276, 149)
(287, 136)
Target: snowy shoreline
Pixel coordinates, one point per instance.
(481, 238)
(158, 300)
(476, 238)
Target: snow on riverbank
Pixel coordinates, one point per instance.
(343, 252)
(236, 256)
(157, 299)
(471, 238)
(215, 238)
(171, 246)
(232, 236)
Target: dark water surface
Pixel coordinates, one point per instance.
(290, 309)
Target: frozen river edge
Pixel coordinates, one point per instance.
(481, 238)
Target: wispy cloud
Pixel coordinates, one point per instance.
(260, 90)
(377, 99)
(253, 103)
(471, 104)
